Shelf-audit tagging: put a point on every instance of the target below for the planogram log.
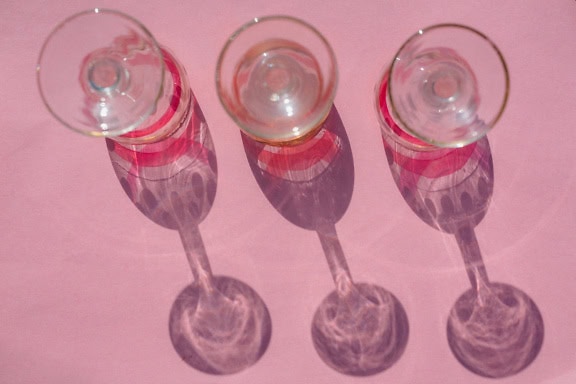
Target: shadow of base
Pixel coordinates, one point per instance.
(363, 334)
(224, 340)
(496, 336)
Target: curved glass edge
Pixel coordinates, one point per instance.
(100, 133)
(393, 109)
(328, 95)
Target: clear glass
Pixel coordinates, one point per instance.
(102, 73)
(276, 77)
(447, 86)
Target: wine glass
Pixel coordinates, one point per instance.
(276, 77)
(359, 329)
(102, 73)
(446, 87)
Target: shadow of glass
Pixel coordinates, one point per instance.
(183, 164)
(359, 329)
(309, 184)
(218, 325)
(494, 329)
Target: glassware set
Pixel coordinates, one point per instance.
(102, 73)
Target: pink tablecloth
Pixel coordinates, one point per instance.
(87, 282)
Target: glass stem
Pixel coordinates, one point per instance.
(336, 259)
(470, 250)
(196, 255)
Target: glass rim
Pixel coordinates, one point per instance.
(422, 31)
(332, 84)
(96, 11)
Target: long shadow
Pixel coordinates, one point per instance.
(218, 325)
(494, 329)
(359, 329)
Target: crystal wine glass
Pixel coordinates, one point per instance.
(446, 87)
(102, 73)
(434, 116)
(276, 77)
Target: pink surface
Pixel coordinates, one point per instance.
(87, 281)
